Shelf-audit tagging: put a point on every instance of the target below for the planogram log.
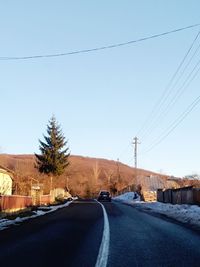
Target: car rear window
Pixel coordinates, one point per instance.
(104, 193)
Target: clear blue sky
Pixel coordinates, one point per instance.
(101, 99)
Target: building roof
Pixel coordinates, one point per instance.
(6, 170)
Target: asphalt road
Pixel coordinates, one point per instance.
(67, 237)
(72, 236)
(140, 239)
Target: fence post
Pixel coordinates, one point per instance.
(181, 196)
(171, 196)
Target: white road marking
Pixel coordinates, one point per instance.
(102, 258)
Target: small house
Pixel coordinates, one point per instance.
(6, 180)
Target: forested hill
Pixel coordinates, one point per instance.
(83, 174)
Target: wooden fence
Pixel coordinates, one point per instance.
(185, 195)
(15, 202)
(45, 199)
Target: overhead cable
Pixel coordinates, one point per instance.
(167, 91)
(98, 48)
(191, 76)
(174, 125)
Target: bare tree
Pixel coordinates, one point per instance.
(108, 175)
(96, 171)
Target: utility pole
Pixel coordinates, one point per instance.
(118, 173)
(135, 143)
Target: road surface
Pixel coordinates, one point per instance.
(73, 236)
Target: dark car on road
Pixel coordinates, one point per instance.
(104, 196)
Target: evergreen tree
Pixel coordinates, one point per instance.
(54, 154)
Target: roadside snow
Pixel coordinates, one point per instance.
(129, 197)
(5, 223)
(183, 213)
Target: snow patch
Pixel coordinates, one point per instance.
(5, 223)
(183, 213)
(130, 197)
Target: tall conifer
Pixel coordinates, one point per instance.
(54, 151)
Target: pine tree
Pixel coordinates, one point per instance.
(54, 154)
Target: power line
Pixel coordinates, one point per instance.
(100, 48)
(175, 98)
(182, 89)
(167, 91)
(175, 124)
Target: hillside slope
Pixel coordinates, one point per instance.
(83, 176)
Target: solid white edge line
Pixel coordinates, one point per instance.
(102, 258)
